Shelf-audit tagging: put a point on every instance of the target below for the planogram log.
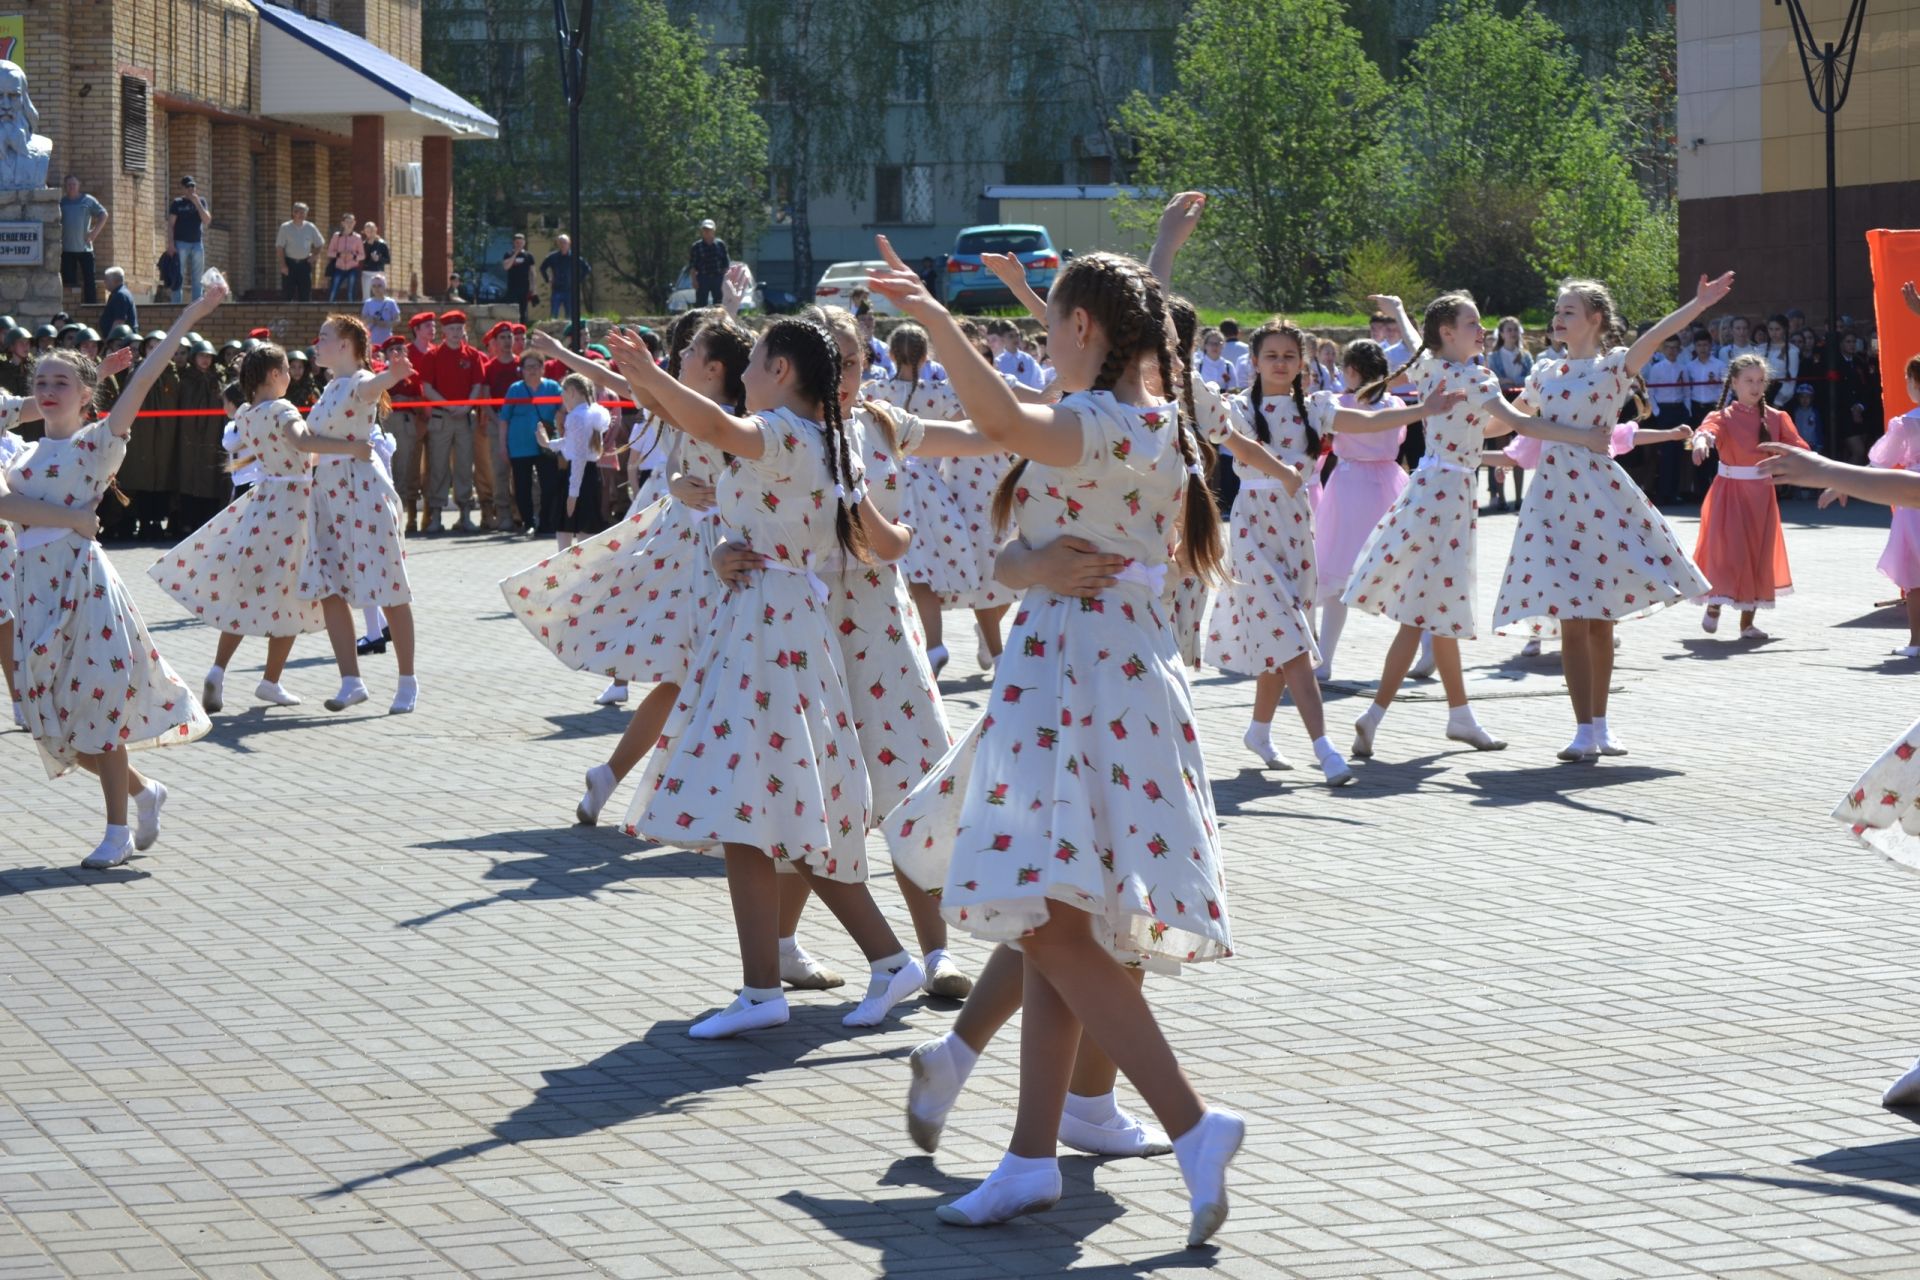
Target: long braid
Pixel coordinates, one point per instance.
(1202, 548)
(1442, 311)
(1255, 394)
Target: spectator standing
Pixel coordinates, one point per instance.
(345, 252)
(1704, 373)
(565, 272)
(518, 264)
(1783, 363)
(81, 220)
(119, 308)
(1213, 365)
(708, 262)
(529, 431)
(190, 216)
(1234, 351)
(379, 259)
(381, 313)
(1004, 340)
(455, 371)
(502, 371)
(298, 242)
(1666, 379)
(409, 426)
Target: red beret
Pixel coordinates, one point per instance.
(453, 317)
(420, 318)
(519, 329)
(264, 335)
(395, 341)
(504, 326)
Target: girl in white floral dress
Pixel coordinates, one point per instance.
(1259, 625)
(1589, 549)
(356, 558)
(238, 572)
(1418, 566)
(944, 562)
(761, 759)
(1882, 807)
(1075, 818)
(93, 684)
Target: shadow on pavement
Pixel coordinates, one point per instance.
(662, 1073)
(1897, 1162)
(575, 862)
(1043, 1247)
(17, 880)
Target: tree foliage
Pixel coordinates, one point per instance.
(1278, 115)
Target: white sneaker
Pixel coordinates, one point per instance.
(1904, 1092)
(937, 659)
(935, 1088)
(1582, 748)
(1531, 649)
(612, 695)
(885, 992)
(1124, 1135)
(115, 849)
(146, 815)
(269, 692)
(1002, 1197)
(1710, 621)
(799, 970)
(600, 785)
(1904, 651)
(1205, 1170)
(406, 697)
(350, 695)
(985, 656)
(212, 696)
(739, 1017)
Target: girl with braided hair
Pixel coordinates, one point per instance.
(1742, 548)
(1075, 818)
(1589, 549)
(761, 759)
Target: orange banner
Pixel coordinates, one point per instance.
(1896, 259)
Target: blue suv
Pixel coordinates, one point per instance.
(971, 286)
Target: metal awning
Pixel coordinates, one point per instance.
(316, 74)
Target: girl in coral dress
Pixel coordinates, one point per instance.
(761, 759)
(238, 573)
(93, 684)
(1589, 549)
(1899, 450)
(1075, 817)
(1741, 548)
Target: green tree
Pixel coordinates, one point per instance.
(1641, 95)
(1278, 116)
(671, 136)
(1646, 279)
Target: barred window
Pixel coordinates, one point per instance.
(133, 124)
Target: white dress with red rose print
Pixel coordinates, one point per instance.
(897, 707)
(972, 482)
(634, 601)
(1083, 782)
(91, 680)
(10, 446)
(944, 556)
(1883, 806)
(354, 545)
(760, 748)
(1187, 596)
(1259, 621)
(1588, 543)
(1418, 566)
(238, 572)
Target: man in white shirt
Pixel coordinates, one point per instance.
(298, 241)
(1703, 372)
(1667, 390)
(1004, 340)
(1235, 352)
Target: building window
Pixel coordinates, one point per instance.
(133, 124)
(780, 195)
(912, 73)
(903, 194)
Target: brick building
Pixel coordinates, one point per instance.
(320, 102)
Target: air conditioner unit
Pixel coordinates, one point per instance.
(407, 180)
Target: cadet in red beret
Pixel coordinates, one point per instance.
(502, 371)
(454, 371)
(409, 426)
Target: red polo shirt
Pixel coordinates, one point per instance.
(456, 371)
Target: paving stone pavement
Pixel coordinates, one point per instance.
(373, 1008)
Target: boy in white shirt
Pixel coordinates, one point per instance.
(1703, 372)
(1004, 340)
(1235, 352)
(1667, 390)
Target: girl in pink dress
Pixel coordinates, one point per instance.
(1589, 548)
(1899, 450)
(1366, 480)
(1741, 547)
(1075, 817)
(94, 686)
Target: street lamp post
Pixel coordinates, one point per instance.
(1828, 68)
(573, 85)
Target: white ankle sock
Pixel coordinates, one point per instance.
(1322, 747)
(1013, 1164)
(1460, 719)
(374, 624)
(1259, 739)
(883, 971)
(933, 958)
(760, 995)
(1373, 715)
(959, 1053)
(351, 684)
(216, 674)
(1095, 1109)
(790, 944)
(1599, 728)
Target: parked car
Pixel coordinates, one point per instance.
(842, 278)
(970, 286)
(681, 299)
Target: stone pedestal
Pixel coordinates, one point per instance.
(31, 294)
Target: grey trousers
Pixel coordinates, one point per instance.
(450, 458)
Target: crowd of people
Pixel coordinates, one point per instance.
(798, 506)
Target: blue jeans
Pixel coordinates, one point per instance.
(342, 282)
(559, 305)
(193, 265)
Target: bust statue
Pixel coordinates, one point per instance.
(24, 154)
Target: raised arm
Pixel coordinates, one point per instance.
(592, 370)
(1007, 269)
(399, 369)
(686, 409)
(1047, 434)
(120, 420)
(1704, 299)
(1409, 332)
(735, 288)
(1177, 222)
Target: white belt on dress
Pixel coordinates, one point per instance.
(40, 535)
(1255, 483)
(281, 479)
(1732, 472)
(1151, 576)
(1431, 463)
(819, 584)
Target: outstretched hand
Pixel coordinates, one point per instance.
(1712, 291)
(541, 340)
(905, 290)
(1180, 217)
(117, 361)
(400, 362)
(631, 357)
(215, 294)
(1006, 268)
(736, 288)
(1791, 466)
